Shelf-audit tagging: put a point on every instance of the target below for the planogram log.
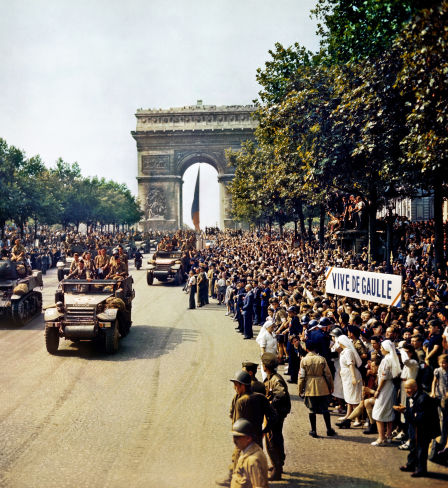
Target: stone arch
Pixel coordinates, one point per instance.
(170, 141)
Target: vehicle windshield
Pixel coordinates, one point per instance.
(98, 287)
(167, 254)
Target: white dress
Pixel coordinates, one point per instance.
(338, 391)
(352, 393)
(383, 408)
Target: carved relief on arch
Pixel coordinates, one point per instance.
(155, 162)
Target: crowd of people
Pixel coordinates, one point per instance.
(382, 369)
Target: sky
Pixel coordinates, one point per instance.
(73, 74)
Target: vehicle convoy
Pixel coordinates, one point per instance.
(166, 265)
(19, 301)
(90, 310)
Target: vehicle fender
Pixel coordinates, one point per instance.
(16, 297)
(108, 315)
(60, 264)
(150, 267)
(52, 315)
(175, 267)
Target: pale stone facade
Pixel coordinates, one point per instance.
(169, 141)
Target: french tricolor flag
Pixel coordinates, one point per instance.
(195, 204)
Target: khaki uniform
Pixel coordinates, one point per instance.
(102, 262)
(315, 377)
(16, 252)
(118, 269)
(251, 470)
(278, 396)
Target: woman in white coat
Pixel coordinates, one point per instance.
(350, 361)
(383, 412)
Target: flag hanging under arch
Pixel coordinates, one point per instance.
(195, 204)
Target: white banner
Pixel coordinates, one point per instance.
(364, 285)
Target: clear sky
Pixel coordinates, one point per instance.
(73, 73)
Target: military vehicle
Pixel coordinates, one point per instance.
(19, 302)
(166, 265)
(92, 310)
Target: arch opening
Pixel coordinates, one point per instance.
(209, 200)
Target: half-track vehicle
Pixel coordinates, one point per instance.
(166, 265)
(19, 301)
(90, 310)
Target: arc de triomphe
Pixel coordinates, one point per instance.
(170, 141)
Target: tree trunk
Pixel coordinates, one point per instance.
(372, 237)
(310, 231)
(322, 225)
(301, 218)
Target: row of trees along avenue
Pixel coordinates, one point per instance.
(365, 115)
(60, 195)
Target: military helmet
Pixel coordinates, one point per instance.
(269, 360)
(242, 427)
(242, 377)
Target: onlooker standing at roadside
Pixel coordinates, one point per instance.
(316, 384)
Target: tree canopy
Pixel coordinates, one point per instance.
(59, 194)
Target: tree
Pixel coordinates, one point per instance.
(424, 79)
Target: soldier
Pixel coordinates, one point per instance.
(117, 269)
(80, 272)
(251, 406)
(123, 257)
(89, 264)
(257, 386)
(251, 470)
(18, 251)
(101, 262)
(75, 262)
(278, 396)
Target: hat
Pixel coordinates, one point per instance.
(242, 427)
(292, 309)
(249, 364)
(242, 377)
(336, 332)
(324, 322)
(269, 360)
(304, 319)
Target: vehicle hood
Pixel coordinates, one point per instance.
(165, 261)
(84, 300)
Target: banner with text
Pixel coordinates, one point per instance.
(364, 285)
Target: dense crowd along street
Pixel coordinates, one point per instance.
(352, 362)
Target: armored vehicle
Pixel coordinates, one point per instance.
(19, 302)
(90, 309)
(166, 265)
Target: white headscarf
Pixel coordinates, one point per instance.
(346, 342)
(264, 331)
(389, 346)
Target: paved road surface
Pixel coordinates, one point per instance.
(155, 415)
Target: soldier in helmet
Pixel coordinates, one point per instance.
(278, 396)
(251, 406)
(251, 469)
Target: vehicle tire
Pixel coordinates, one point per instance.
(60, 274)
(111, 338)
(52, 339)
(150, 278)
(19, 312)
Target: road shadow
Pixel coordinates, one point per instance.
(303, 480)
(143, 342)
